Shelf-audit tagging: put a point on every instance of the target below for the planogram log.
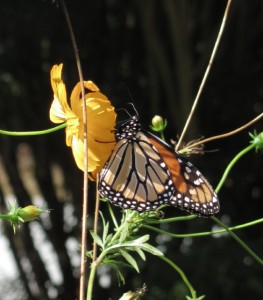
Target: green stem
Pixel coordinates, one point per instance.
(119, 229)
(233, 235)
(162, 135)
(96, 263)
(182, 274)
(170, 220)
(112, 215)
(5, 216)
(91, 280)
(207, 233)
(9, 217)
(231, 164)
(30, 133)
(241, 243)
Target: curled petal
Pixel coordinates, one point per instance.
(59, 106)
(55, 77)
(90, 85)
(76, 94)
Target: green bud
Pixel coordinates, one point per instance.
(18, 215)
(257, 140)
(29, 213)
(158, 124)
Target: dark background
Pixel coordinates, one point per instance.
(159, 51)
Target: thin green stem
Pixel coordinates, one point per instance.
(206, 233)
(112, 215)
(162, 135)
(30, 133)
(231, 164)
(6, 216)
(170, 220)
(96, 219)
(182, 274)
(241, 243)
(120, 228)
(221, 182)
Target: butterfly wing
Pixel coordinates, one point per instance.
(193, 192)
(135, 176)
(144, 172)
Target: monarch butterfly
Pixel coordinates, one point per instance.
(143, 172)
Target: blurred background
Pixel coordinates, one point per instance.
(157, 50)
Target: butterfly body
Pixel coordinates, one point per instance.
(143, 172)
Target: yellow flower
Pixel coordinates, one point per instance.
(101, 119)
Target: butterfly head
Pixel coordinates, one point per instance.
(129, 129)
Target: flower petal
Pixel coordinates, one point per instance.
(101, 139)
(101, 127)
(78, 152)
(102, 119)
(76, 95)
(72, 129)
(59, 105)
(56, 112)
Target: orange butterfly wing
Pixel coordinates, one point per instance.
(192, 191)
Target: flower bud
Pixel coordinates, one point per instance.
(158, 124)
(29, 213)
(257, 140)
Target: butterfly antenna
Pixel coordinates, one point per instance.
(132, 99)
(125, 110)
(133, 106)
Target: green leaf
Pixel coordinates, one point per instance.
(140, 252)
(89, 254)
(134, 243)
(113, 263)
(105, 232)
(137, 242)
(124, 233)
(97, 239)
(108, 239)
(115, 266)
(130, 260)
(151, 249)
(121, 278)
(102, 218)
(141, 239)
